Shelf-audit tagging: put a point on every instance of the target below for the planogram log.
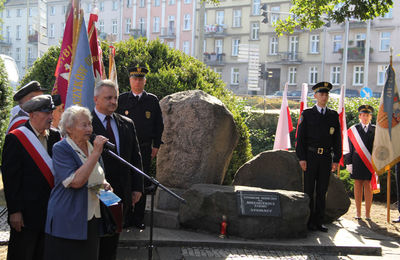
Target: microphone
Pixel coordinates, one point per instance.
(107, 145)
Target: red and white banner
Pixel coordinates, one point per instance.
(365, 156)
(285, 126)
(303, 102)
(112, 70)
(36, 150)
(343, 126)
(95, 49)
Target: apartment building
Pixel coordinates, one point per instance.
(302, 57)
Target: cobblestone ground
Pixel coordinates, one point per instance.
(4, 227)
(235, 253)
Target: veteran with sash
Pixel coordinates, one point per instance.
(144, 109)
(27, 173)
(319, 148)
(358, 160)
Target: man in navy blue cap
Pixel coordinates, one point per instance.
(318, 138)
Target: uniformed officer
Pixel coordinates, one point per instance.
(144, 109)
(319, 137)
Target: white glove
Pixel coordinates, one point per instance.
(349, 168)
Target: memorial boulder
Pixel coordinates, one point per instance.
(206, 204)
(199, 139)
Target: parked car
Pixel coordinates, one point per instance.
(12, 70)
(294, 95)
(349, 92)
(376, 94)
(277, 94)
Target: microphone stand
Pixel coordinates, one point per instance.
(156, 185)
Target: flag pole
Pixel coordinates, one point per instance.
(338, 171)
(388, 196)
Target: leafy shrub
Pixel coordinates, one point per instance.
(170, 71)
(5, 101)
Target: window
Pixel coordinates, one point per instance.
(186, 22)
(389, 14)
(219, 44)
(18, 54)
(171, 24)
(235, 47)
(101, 6)
(52, 10)
(273, 46)
(114, 5)
(381, 75)
(204, 46)
(8, 33)
(255, 29)
(156, 2)
(64, 9)
(142, 25)
(219, 71)
(8, 12)
(30, 56)
(114, 26)
(51, 30)
(237, 17)
(293, 47)
(314, 43)
(256, 7)
(335, 75)
(88, 8)
(127, 25)
(142, 3)
(129, 3)
(275, 14)
(219, 17)
(171, 2)
(358, 75)
(337, 42)
(171, 45)
(62, 28)
(101, 26)
(235, 76)
(18, 32)
(188, 1)
(30, 12)
(292, 75)
(156, 24)
(205, 18)
(30, 30)
(186, 47)
(313, 75)
(360, 40)
(384, 41)
(18, 12)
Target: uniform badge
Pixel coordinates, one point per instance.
(126, 112)
(331, 130)
(148, 114)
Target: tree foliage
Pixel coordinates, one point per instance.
(170, 71)
(5, 101)
(313, 14)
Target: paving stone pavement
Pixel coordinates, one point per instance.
(4, 227)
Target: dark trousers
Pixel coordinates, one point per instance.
(140, 206)
(316, 178)
(108, 247)
(25, 245)
(397, 169)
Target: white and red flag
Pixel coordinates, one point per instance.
(285, 126)
(112, 70)
(95, 49)
(343, 126)
(303, 102)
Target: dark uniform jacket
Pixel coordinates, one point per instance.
(146, 113)
(319, 131)
(360, 171)
(123, 180)
(26, 189)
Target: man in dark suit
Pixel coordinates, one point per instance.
(120, 130)
(144, 109)
(28, 180)
(318, 136)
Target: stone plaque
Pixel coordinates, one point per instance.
(258, 203)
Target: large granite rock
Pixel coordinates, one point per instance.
(199, 138)
(281, 170)
(207, 203)
(271, 170)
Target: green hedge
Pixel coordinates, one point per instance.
(6, 103)
(170, 71)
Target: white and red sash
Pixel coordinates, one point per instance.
(365, 156)
(36, 150)
(15, 122)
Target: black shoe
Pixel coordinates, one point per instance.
(322, 228)
(311, 227)
(140, 226)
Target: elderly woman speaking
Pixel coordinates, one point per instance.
(73, 218)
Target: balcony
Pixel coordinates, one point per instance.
(214, 59)
(214, 30)
(137, 33)
(289, 58)
(33, 38)
(5, 42)
(355, 53)
(167, 33)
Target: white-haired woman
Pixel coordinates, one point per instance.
(73, 218)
